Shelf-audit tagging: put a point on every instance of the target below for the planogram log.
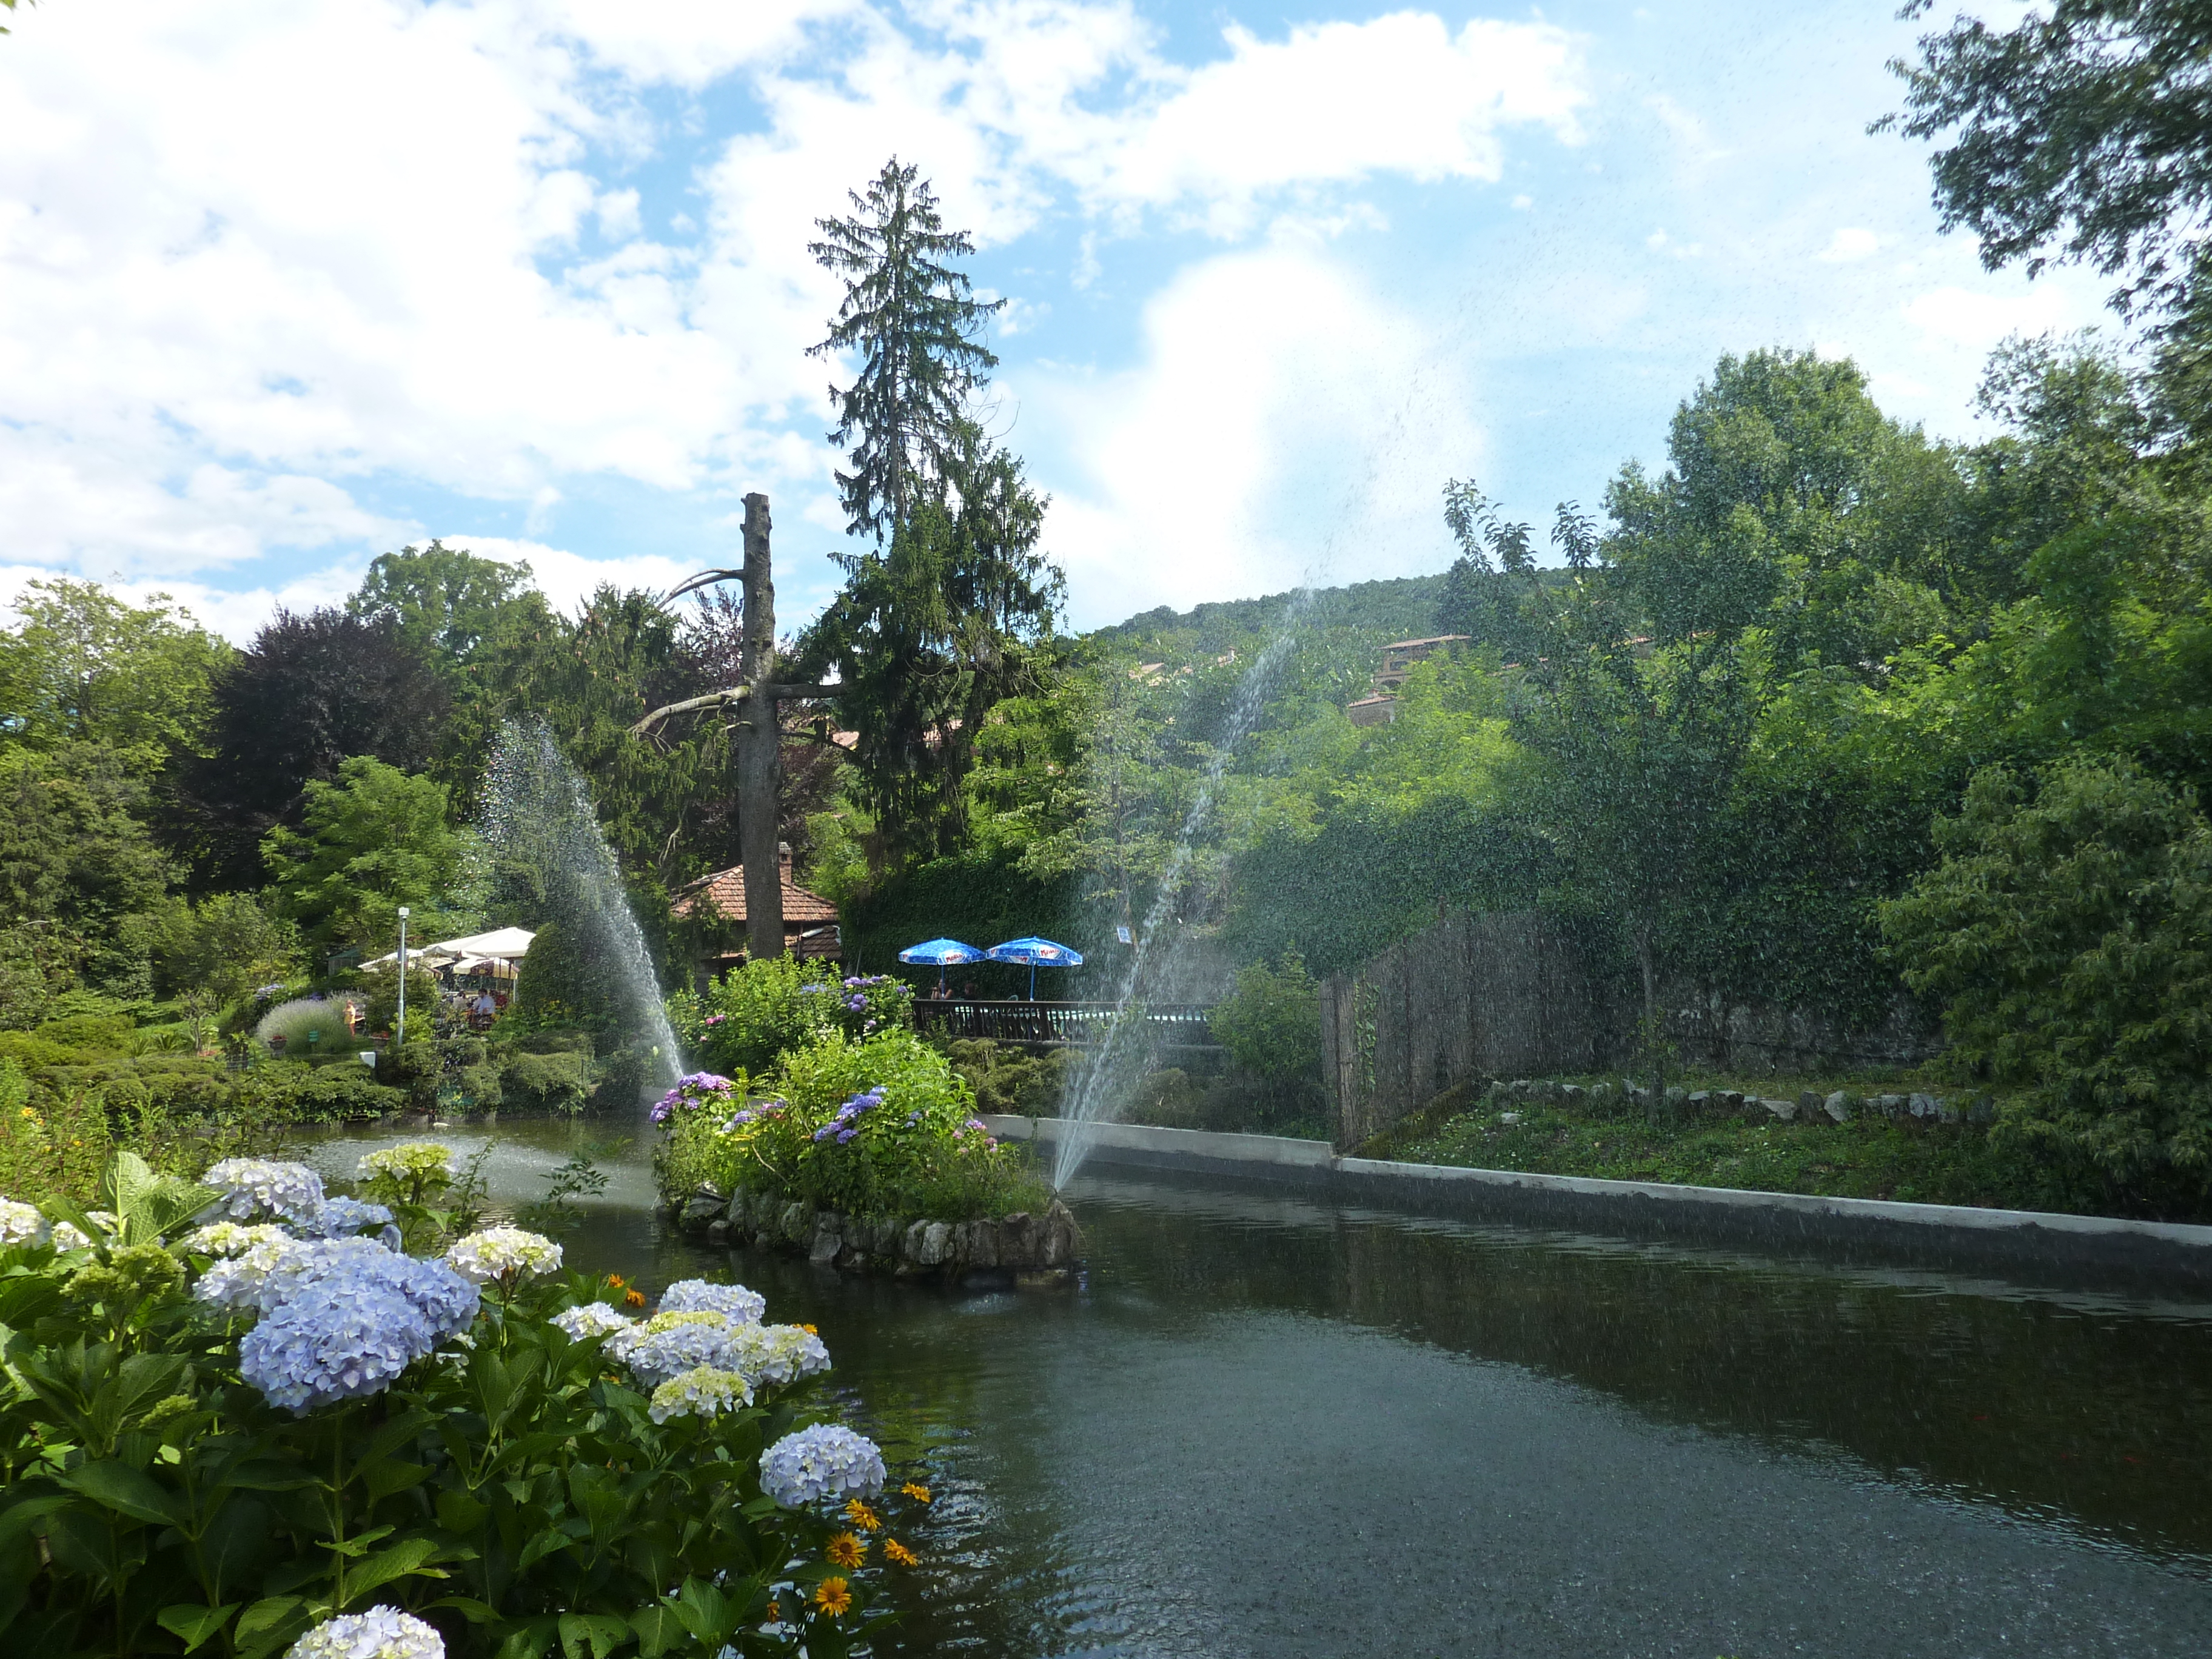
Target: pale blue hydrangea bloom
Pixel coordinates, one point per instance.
(590, 1319)
(702, 1391)
(733, 1302)
(688, 1340)
(776, 1354)
(343, 1337)
(20, 1223)
(827, 1462)
(379, 1634)
(496, 1252)
(446, 1302)
(290, 1192)
(341, 1218)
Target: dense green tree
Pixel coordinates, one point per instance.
(374, 840)
(912, 317)
(312, 691)
(229, 945)
(84, 666)
(446, 601)
(2065, 935)
(82, 884)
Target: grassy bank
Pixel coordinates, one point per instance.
(1923, 1163)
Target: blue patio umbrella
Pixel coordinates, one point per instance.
(1038, 953)
(942, 951)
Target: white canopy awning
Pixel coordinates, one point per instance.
(507, 942)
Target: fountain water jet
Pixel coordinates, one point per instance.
(1110, 1073)
(543, 837)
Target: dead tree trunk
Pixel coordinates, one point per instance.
(760, 767)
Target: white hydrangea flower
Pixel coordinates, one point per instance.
(702, 1391)
(496, 1252)
(733, 1302)
(19, 1224)
(827, 1461)
(237, 1283)
(70, 1236)
(774, 1355)
(228, 1238)
(408, 1161)
(290, 1192)
(590, 1319)
(379, 1634)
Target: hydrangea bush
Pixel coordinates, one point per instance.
(239, 1438)
(753, 1016)
(880, 1125)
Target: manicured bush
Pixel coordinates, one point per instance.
(568, 983)
(269, 1425)
(545, 1083)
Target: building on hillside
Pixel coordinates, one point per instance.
(1380, 707)
(809, 922)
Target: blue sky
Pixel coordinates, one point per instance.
(292, 282)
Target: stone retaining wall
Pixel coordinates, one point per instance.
(1022, 1248)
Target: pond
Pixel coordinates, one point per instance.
(1262, 1427)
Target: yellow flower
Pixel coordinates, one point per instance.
(845, 1551)
(616, 1281)
(809, 1330)
(861, 1516)
(833, 1597)
(632, 1299)
(774, 1612)
(915, 1491)
(897, 1553)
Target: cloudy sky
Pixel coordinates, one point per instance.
(284, 283)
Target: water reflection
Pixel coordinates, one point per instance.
(1267, 1426)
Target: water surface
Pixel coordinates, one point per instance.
(1263, 1426)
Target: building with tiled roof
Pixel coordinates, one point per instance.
(809, 922)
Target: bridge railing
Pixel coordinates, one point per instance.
(1065, 1025)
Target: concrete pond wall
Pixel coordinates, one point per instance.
(2070, 1249)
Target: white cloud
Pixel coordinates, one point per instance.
(1283, 423)
(1848, 244)
(1958, 317)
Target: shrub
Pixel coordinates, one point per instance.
(1271, 1023)
(380, 989)
(100, 1033)
(625, 1078)
(501, 1460)
(753, 1016)
(2065, 932)
(545, 1083)
(1007, 1079)
(313, 1025)
(881, 1126)
(567, 982)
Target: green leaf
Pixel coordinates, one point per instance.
(402, 1560)
(658, 1629)
(459, 1512)
(476, 1612)
(194, 1625)
(595, 1635)
(359, 1545)
(388, 1477)
(130, 1492)
(529, 1641)
(265, 1627)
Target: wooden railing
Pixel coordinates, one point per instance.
(1065, 1025)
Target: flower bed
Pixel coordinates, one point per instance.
(1028, 1249)
(882, 1127)
(239, 1419)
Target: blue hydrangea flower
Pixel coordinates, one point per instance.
(290, 1192)
(341, 1337)
(733, 1302)
(446, 1302)
(827, 1462)
(341, 1218)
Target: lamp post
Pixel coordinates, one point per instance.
(399, 1025)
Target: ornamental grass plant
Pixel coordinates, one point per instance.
(236, 1421)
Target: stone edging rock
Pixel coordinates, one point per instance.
(1025, 1249)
